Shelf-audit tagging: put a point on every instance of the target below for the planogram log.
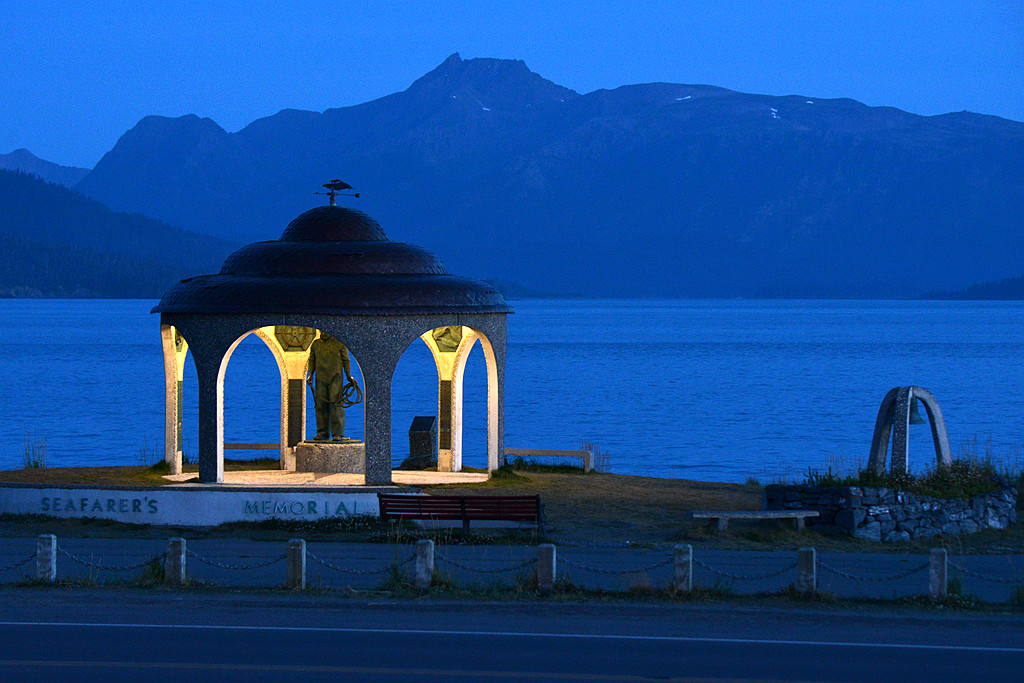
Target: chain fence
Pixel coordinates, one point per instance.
(107, 567)
(745, 577)
(20, 563)
(615, 572)
(235, 567)
(872, 579)
(906, 567)
(985, 577)
(359, 572)
(501, 570)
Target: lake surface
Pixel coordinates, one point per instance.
(712, 390)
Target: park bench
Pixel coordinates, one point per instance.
(586, 457)
(401, 507)
(723, 517)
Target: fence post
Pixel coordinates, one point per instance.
(296, 564)
(423, 572)
(46, 558)
(546, 567)
(938, 575)
(806, 570)
(174, 565)
(683, 568)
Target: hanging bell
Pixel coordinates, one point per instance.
(915, 416)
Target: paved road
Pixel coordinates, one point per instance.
(100, 634)
(365, 566)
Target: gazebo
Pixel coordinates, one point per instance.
(335, 271)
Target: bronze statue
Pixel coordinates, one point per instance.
(330, 367)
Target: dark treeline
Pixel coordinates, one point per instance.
(55, 242)
(1010, 288)
(32, 269)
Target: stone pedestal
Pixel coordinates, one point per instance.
(348, 457)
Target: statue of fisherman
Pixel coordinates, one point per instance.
(329, 366)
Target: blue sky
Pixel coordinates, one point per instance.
(74, 76)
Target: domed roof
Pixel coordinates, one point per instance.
(335, 261)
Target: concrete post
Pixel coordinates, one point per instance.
(683, 568)
(377, 427)
(938, 576)
(546, 567)
(296, 564)
(807, 570)
(46, 558)
(423, 572)
(174, 565)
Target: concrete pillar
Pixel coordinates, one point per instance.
(494, 354)
(938, 576)
(46, 558)
(423, 567)
(174, 564)
(211, 420)
(377, 396)
(683, 575)
(175, 351)
(546, 567)
(806, 570)
(296, 564)
(293, 406)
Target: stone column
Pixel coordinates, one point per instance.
(211, 424)
(174, 563)
(377, 396)
(293, 406)
(938, 425)
(46, 558)
(883, 428)
(938, 577)
(900, 425)
(546, 567)
(494, 354)
(423, 567)
(296, 561)
(683, 574)
(806, 570)
(175, 351)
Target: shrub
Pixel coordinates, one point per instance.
(35, 451)
(963, 478)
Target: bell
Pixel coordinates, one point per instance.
(915, 417)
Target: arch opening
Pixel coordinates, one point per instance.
(444, 396)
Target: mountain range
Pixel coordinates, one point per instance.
(27, 162)
(55, 242)
(646, 190)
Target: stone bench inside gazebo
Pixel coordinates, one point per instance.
(332, 272)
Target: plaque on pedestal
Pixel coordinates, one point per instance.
(347, 457)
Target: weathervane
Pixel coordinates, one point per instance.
(334, 187)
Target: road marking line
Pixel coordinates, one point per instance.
(378, 671)
(525, 634)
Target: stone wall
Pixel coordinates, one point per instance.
(880, 514)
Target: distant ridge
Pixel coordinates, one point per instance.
(23, 160)
(1003, 290)
(57, 243)
(651, 190)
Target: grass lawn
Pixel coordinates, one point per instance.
(597, 508)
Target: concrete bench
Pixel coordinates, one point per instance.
(399, 507)
(585, 456)
(723, 517)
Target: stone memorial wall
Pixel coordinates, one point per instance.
(880, 514)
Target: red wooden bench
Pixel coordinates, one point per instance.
(402, 506)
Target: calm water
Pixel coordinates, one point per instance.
(716, 390)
